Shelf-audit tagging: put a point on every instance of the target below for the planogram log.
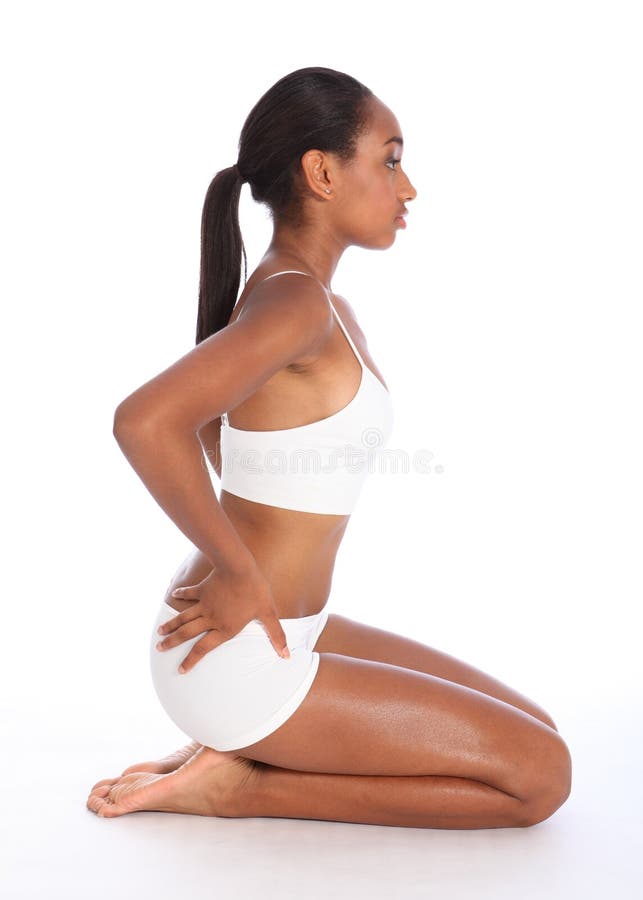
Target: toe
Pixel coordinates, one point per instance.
(103, 782)
(140, 767)
(103, 790)
(99, 794)
(109, 810)
(103, 805)
(94, 802)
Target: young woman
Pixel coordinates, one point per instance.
(350, 723)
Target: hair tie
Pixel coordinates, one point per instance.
(238, 173)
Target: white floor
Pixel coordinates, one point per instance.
(53, 847)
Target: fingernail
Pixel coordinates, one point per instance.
(160, 646)
(182, 670)
(285, 653)
(159, 630)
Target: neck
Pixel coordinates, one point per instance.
(306, 250)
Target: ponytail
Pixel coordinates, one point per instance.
(221, 249)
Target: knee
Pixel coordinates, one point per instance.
(549, 721)
(539, 713)
(554, 788)
(534, 813)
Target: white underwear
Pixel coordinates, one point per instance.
(241, 691)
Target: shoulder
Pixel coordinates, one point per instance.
(289, 312)
(296, 296)
(347, 314)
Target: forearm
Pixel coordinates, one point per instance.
(171, 465)
(210, 437)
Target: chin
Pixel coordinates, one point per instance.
(377, 242)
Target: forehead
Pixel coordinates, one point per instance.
(383, 125)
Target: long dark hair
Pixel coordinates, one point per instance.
(312, 108)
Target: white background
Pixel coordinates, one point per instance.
(505, 321)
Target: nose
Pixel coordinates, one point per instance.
(407, 191)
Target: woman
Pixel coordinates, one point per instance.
(326, 730)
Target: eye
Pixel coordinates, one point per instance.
(394, 161)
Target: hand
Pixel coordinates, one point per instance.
(224, 603)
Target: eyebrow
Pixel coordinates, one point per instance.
(396, 139)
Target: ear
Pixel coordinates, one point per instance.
(317, 172)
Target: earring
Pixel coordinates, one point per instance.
(327, 191)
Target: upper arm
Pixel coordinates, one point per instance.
(284, 318)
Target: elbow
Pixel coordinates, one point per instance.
(122, 421)
(128, 421)
(122, 429)
(137, 422)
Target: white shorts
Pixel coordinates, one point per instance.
(242, 690)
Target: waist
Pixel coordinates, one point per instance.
(295, 552)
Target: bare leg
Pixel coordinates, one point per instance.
(360, 641)
(498, 768)
(209, 785)
(349, 638)
(265, 790)
(253, 787)
(429, 801)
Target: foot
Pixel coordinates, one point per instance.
(168, 763)
(207, 784)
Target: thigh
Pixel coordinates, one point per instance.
(351, 638)
(367, 718)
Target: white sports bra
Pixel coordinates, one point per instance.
(319, 467)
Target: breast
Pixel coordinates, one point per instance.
(319, 467)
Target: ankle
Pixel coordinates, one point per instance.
(240, 800)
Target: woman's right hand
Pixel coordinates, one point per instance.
(223, 603)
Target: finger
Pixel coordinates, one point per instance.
(182, 618)
(182, 634)
(209, 642)
(187, 592)
(277, 636)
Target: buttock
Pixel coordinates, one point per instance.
(242, 690)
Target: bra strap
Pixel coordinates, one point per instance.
(337, 316)
(287, 272)
(224, 416)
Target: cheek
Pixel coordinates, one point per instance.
(369, 196)
(360, 192)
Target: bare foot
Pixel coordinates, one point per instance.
(207, 784)
(168, 763)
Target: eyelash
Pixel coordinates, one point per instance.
(398, 161)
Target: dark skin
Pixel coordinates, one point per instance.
(296, 550)
(345, 205)
(426, 740)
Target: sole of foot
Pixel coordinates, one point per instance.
(169, 763)
(209, 783)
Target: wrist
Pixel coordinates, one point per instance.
(240, 564)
